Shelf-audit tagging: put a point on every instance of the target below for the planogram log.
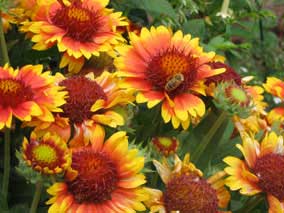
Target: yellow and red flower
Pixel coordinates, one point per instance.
(105, 178)
(47, 154)
(90, 104)
(186, 190)
(260, 171)
(275, 87)
(28, 93)
(80, 29)
(168, 68)
(166, 145)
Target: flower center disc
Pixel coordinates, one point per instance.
(97, 176)
(163, 67)
(14, 92)
(45, 154)
(190, 193)
(79, 22)
(237, 95)
(269, 170)
(82, 94)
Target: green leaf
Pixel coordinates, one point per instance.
(196, 27)
(156, 7)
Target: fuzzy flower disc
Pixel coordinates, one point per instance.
(190, 193)
(78, 21)
(82, 94)
(97, 176)
(269, 170)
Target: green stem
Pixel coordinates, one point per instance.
(36, 199)
(7, 159)
(207, 138)
(4, 52)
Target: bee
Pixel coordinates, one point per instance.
(174, 82)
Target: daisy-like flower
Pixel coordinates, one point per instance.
(166, 145)
(28, 93)
(275, 87)
(186, 190)
(90, 104)
(107, 179)
(260, 171)
(47, 154)
(168, 68)
(79, 28)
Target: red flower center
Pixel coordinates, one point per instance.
(269, 170)
(97, 176)
(79, 22)
(13, 92)
(190, 193)
(82, 94)
(164, 67)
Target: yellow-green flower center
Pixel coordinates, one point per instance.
(239, 94)
(45, 154)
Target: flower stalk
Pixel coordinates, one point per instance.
(207, 138)
(4, 58)
(7, 159)
(37, 194)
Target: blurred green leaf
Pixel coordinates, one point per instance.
(156, 7)
(196, 27)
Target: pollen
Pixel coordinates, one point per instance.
(166, 65)
(13, 92)
(78, 14)
(79, 22)
(173, 64)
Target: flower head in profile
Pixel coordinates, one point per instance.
(275, 87)
(80, 29)
(91, 104)
(260, 171)
(47, 154)
(105, 177)
(167, 68)
(28, 93)
(186, 190)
